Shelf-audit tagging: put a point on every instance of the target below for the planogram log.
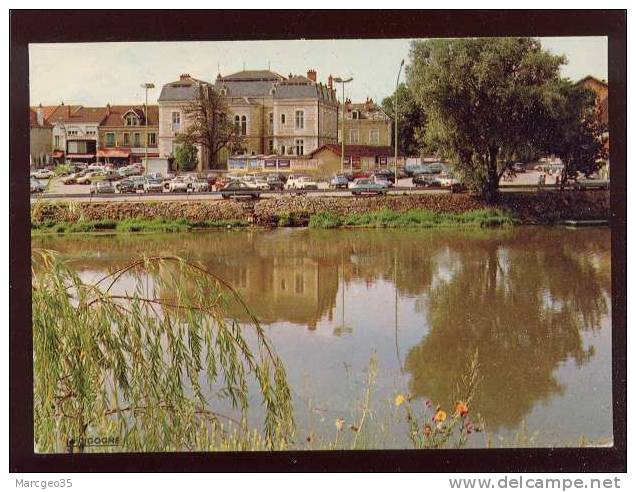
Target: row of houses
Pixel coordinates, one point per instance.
(285, 116)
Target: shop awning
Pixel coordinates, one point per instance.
(57, 154)
(120, 152)
(80, 156)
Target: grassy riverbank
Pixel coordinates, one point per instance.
(412, 218)
(131, 225)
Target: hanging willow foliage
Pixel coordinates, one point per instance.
(142, 355)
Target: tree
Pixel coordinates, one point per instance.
(574, 132)
(185, 157)
(411, 120)
(483, 99)
(210, 125)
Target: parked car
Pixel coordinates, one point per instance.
(111, 175)
(178, 184)
(448, 180)
(338, 181)
(102, 187)
(387, 174)
(153, 185)
(125, 186)
(138, 182)
(274, 182)
(426, 180)
(131, 170)
(360, 174)
(519, 167)
(381, 180)
(238, 189)
(367, 186)
(43, 174)
(301, 183)
(70, 179)
(198, 185)
(89, 177)
(220, 183)
(261, 184)
(36, 186)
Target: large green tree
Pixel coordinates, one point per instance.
(185, 157)
(210, 125)
(411, 120)
(573, 131)
(484, 99)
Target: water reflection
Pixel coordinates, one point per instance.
(523, 298)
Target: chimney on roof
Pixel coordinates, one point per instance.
(184, 76)
(68, 111)
(40, 115)
(108, 109)
(330, 82)
(311, 75)
(348, 104)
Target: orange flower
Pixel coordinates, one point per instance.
(461, 408)
(440, 416)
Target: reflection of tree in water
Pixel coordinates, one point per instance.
(522, 305)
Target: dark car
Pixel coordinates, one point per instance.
(385, 174)
(125, 186)
(426, 180)
(274, 182)
(238, 189)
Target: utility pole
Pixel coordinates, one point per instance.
(340, 80)
(147, 85)
(397, 83)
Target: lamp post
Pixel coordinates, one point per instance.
(397, 83)
(147, 85)
(340, 80)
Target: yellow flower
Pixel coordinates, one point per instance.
(440, 416)
(399, 399)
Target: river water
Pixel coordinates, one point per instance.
(532, 302)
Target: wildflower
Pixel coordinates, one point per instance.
(440, 416)
(427, 430)
(354, 428)
(429, 403)
(399, 399)
(461, 408)
(339, 424)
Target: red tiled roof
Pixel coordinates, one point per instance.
(33, 119)
(77, 114)
(116, 116)
(357, 150)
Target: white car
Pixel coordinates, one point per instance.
(178, 184)
(43, 174)
(300, 183)
(381, 181)
(448, 180)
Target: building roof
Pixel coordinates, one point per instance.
(367, 110)
(116, 115)
(33, 119)
(77, 114)
(591, 78)
(356, 150)
(184, 89)
(251, 76)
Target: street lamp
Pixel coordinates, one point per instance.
(147, 85)
(340, 80)
(397, 83)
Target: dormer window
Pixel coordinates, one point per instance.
(355, 114)
(131, 120)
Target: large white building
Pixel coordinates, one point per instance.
(291, 115)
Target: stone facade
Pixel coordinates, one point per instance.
(291, 115)
(40, 137)
(365, 124)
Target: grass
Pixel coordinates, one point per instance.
(411, 218)
(132, 225)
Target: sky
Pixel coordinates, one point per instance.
(93, 74)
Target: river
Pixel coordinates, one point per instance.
(532, 302)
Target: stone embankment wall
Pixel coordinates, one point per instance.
(535, 208)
